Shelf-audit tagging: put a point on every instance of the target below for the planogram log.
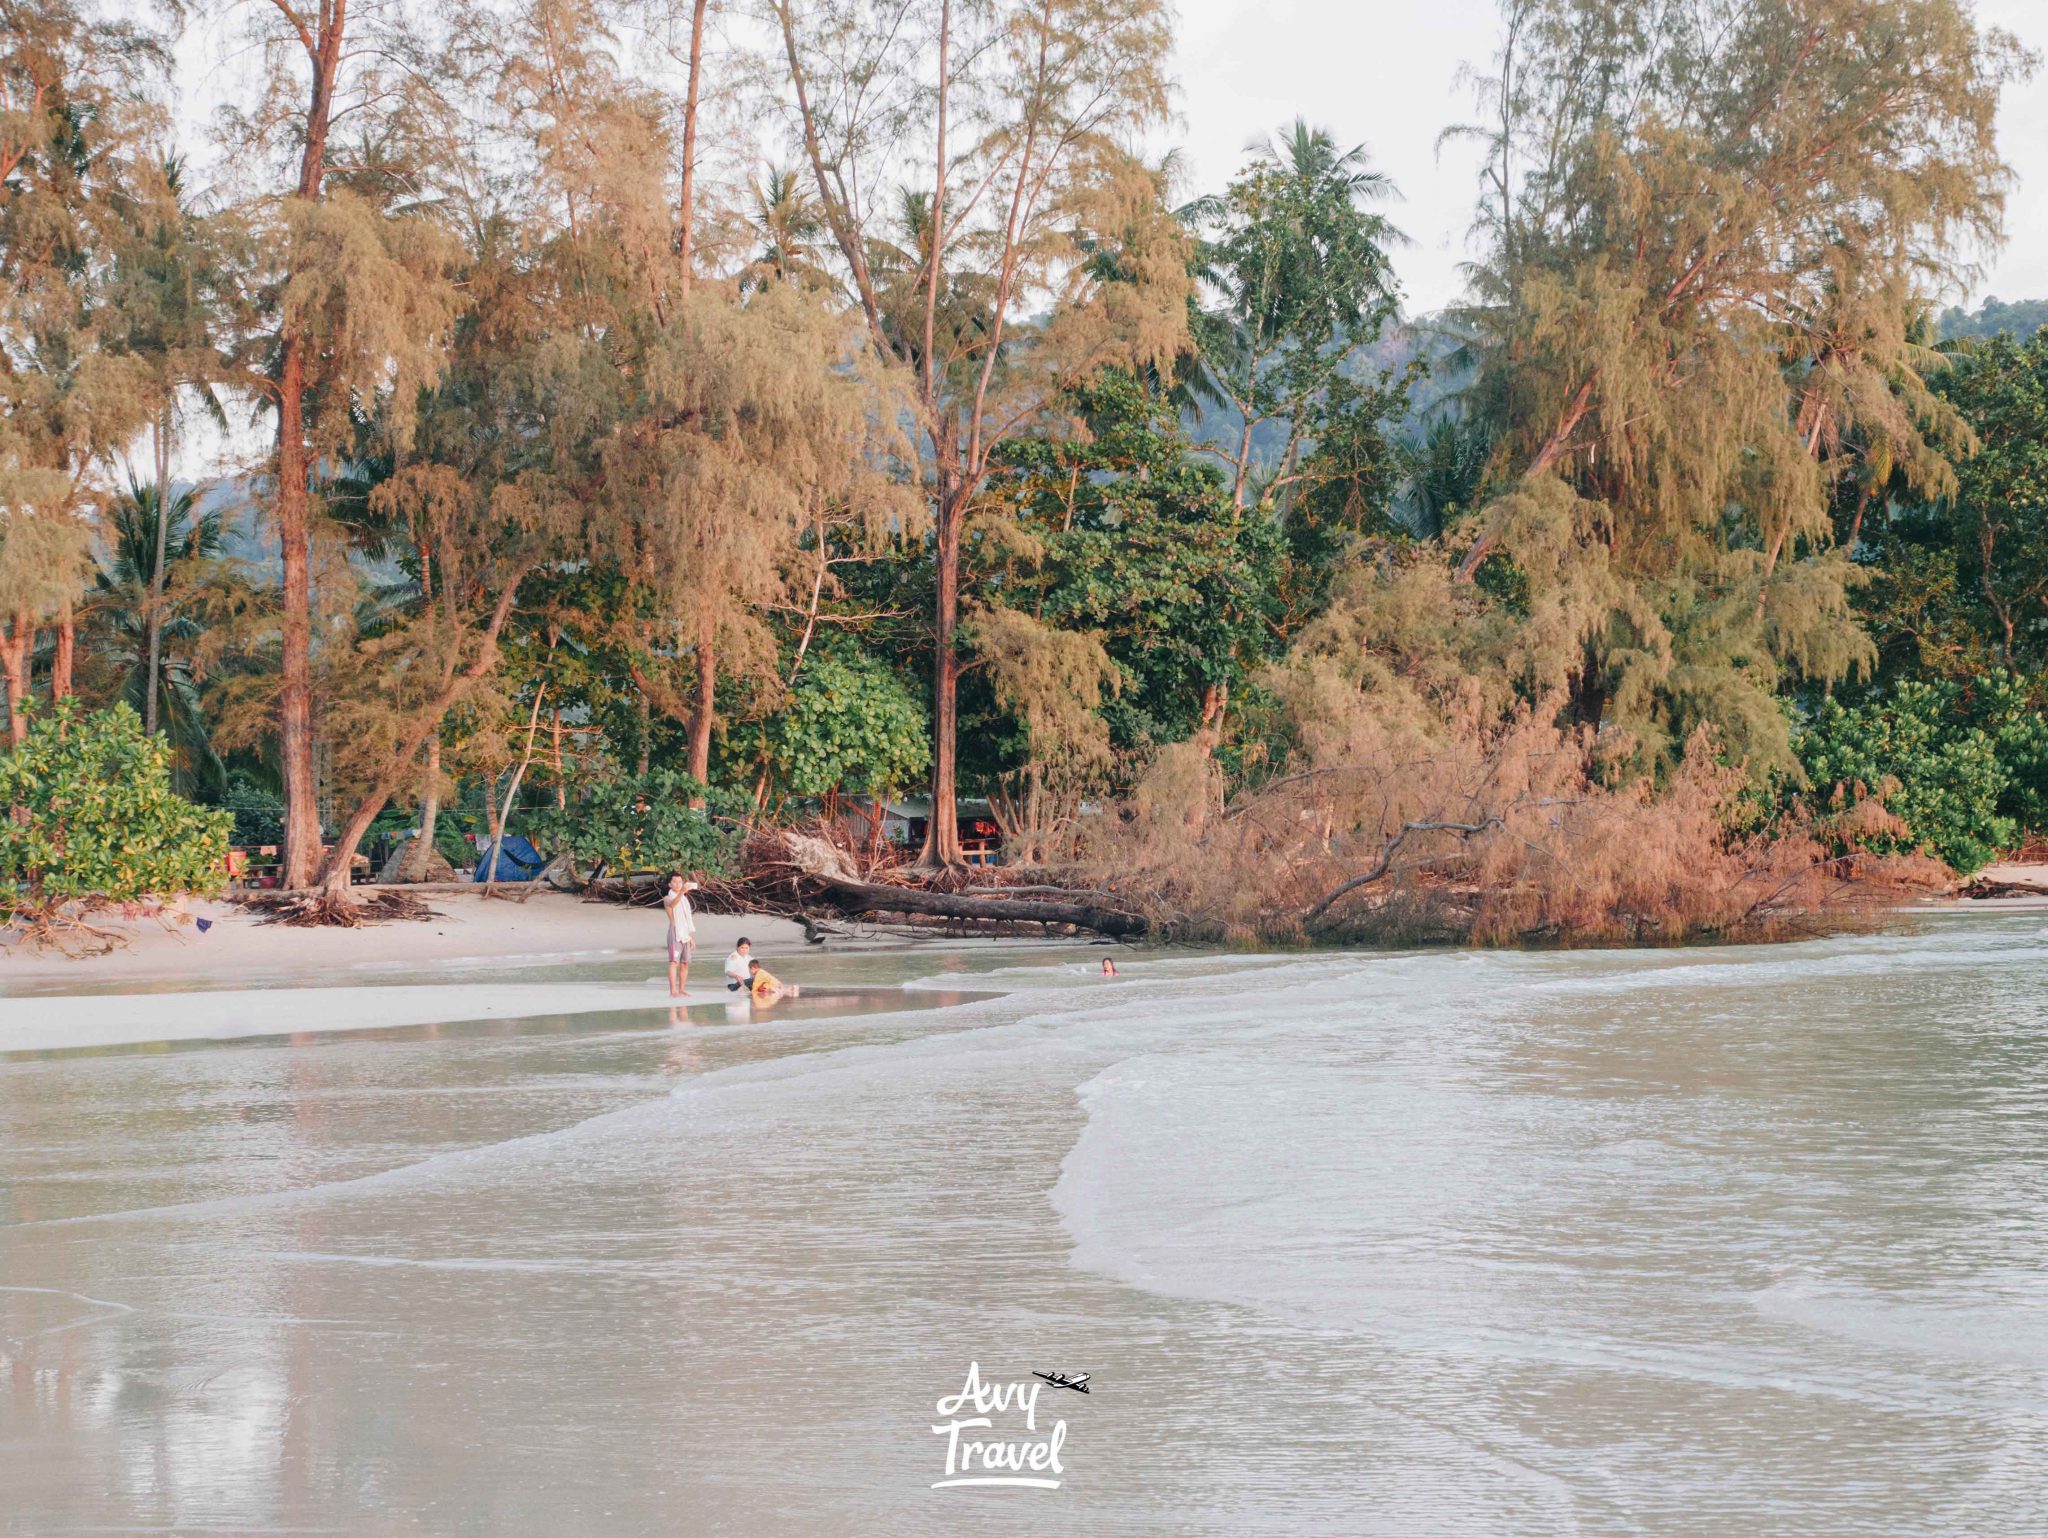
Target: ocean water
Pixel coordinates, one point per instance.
(1677, 1242)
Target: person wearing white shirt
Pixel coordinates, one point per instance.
(682, 933)
(736, 979)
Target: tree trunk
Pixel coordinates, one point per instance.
(688, 198)
(426, 731)
(861, 897)
(512, 792)
(1553, 449)
(645, 756)
(701, 713)
(942, 834)
(14, 661)
(561, 776)
(1215, 700)
(61, 663)
(1856, 523)
(430, 811)
(153, 679)
(336, 868)
(295, 694)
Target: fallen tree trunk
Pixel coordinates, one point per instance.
(864, 897)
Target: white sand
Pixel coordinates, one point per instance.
(2020, 875)
(2030, 879)
(549, 926)
(244, 978)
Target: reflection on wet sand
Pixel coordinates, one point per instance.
(1619, 1243)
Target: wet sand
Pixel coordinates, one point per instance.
(1618, 1243)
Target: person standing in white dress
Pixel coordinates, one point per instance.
(682, 933)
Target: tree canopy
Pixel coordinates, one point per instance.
(773, 404)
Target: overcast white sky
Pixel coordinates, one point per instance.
(1383, 72)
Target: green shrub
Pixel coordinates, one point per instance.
(849, 725)
(2007, 709)
(258, 812)
(95, 818)
(637, 824)
(1944, 777)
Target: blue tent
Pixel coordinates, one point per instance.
(518, 860)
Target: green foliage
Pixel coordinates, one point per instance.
(1694, 322)
(2007, 709)
(1298, 269)
(1444, 469)
(849, 724)
(102, 823)
(118, 610)
(1131, 538)
(258, 811)
(1965, 770)
(643, 823)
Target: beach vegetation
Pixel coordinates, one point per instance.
(670, 428)
(95, 822)
(628, 825)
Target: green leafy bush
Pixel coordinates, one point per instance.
(637, 824)
(95, 817)
(258, 812)
(2007, 708)
(849, 725)
(1950, 765)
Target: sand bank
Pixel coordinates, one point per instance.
(2027, 885)
(243, 978)
(41, 1022)
(238, 950)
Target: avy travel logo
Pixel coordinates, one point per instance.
(993, 1436)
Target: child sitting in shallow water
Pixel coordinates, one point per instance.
(767, 988)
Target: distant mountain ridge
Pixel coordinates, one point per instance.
(2020, 318)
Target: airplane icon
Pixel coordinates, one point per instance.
(1077, 1381)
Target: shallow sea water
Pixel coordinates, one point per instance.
(1677, 1242)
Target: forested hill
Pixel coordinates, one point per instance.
(2020, 318)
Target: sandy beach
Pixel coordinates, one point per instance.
(241, 977)
(239, 948)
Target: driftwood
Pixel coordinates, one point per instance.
(1985, 887)
(851, 896)
(1386, 860)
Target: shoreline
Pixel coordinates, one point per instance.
(242, 978)
(468, 929)
(477, 960)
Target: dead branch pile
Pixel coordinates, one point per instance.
(1987, 887)
(1485, 834)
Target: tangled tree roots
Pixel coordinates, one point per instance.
(69, 933)
(316, 910)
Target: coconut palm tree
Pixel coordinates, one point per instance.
(123, 601)
(790, 225)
